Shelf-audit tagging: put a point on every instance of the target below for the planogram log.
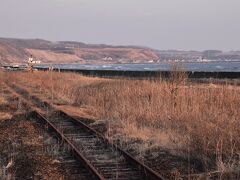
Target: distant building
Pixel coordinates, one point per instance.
(108, 59)
(36, 62)
(31, 61)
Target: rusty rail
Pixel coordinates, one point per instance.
(147, 173)
(74, 150)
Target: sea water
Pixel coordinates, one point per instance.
(221, 66)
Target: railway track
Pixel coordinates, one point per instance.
(59, 152)
(64, 158)
(102, 158)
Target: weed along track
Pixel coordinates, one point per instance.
(103, 159)
(27, 151)
(68, 163)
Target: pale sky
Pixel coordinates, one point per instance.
(160, 24)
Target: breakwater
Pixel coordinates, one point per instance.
(148, 74)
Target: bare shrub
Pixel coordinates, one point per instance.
(201, 120)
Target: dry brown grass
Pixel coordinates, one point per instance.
(2, 101)
(5, 116)
(201, 120)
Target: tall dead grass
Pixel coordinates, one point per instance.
(200, 119)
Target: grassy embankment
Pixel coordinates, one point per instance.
(201, 120)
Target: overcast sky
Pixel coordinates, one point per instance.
(160, 24)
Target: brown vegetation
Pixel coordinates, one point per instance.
(49, 56)
(128, 54)
(21, 148)
(27, 151)
(196, 121)
(10, 54)
(18, 50)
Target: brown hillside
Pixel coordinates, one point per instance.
(130, 54)
(49, 56)
(18, 50)
(10, 54)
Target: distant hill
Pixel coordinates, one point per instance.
(9, 54)
(18, 50)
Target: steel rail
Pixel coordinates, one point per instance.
(75, 151)
(146, 171)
